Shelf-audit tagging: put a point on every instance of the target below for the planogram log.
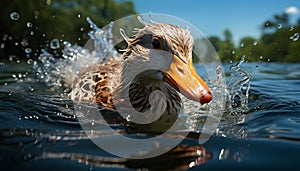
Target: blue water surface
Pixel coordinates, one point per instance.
(39, 130)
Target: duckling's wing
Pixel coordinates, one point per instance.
(93, 84)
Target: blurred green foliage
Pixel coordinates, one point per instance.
(44, 20)
(279, 42)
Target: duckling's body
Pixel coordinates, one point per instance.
(155, 67)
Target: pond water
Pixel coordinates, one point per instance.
(39, 130)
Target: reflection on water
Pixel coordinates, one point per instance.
(39, 145)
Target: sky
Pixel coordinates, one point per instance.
(212, 17)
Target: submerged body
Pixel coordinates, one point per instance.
(155, 67)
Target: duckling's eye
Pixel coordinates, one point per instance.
(156, 43)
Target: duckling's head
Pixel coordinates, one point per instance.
(163, 54)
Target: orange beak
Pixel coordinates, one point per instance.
(183, 78)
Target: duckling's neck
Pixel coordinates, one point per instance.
(155, 98)
(147, 92)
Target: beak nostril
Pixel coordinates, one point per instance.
(180, 70)
(206, 97)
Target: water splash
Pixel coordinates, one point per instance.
(230, 102)
(238, 87)
(102, 39)
(59, 72)
(231, 98)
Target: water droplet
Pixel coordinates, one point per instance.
(292, 28)
(16, 43)
(81, 29)
(67, 44)
(11, 58)
(295, 37)
(2, 45)
(255, 43)
(5, 36)
(44, 35)
(28, 50)
(78, 15)
(261, 57)
(29, 24)
(36, 12)
(268, 59)
(24, 42)
(29, 61)
(48, 2)
(233, 52)
(31, 89)
(54, 44)
(242, 45)
(14, 16)
(32, 33)
(279, 26)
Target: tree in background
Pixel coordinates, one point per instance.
(279, 42)
(278, 21)
(41, 21)
(294, 48)
(225, 48)
(249, 48)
